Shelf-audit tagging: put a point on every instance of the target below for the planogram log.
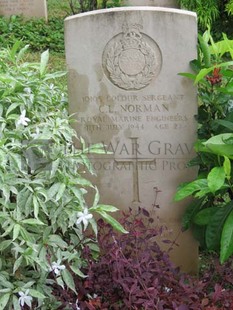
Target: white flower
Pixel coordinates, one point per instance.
(167, 289)
(63, 98)
(77, 306)
(84, 217)
(25, 299)
(27, 90)
(56, 267)
(23, 120)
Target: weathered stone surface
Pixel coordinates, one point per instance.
(28, 8)
(125, 89)
(161, 3)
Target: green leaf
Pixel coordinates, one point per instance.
(7, 284)
(8, 230)
(14, 49)
(61, 191)
(55, 165)
(107, 208)
(53, 190)
(12, 107)
(68, 279)
(227, 239)
(36, 206)
(83, 182)
(44, 62)
(205, 71)
(202, 74)
(23, 197)
(5, 290)
(188, 75)
(16, 303)
(56, 240)
(60, 282)
(32, 222)
(229, 88)
(16, 231)
(4, 244)
(78, 272)
(203, 217)
(26, 236)
(205, 50)
(215, 226)
(22, 52)
(78, 194)
(17, 264)
(227, 167)
(190, 189)
(195, 65)
(94, 226)
(220, 145)
(115, 224)
(88, 164)
(216, 179)
(190, 212)
(36, 294)
(16, 161)
(97, 197)
(54, 75)
(4, 300)
(224, 123)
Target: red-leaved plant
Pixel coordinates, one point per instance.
(133, 273)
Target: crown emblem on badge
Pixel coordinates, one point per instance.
(132, 36)
(131, 59)
(130, 42)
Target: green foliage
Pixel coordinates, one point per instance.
(229, 7)
(79, 6)
(210, 214)
(43, 211)
(218, 14)
(207, 11)
(36, 32)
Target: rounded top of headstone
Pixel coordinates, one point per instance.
(160, 3)
(131, 9)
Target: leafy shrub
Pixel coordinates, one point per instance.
(43, 212)
(79, 6)
(35, 32)
(133, 273)
(217, 14)
(211, 214)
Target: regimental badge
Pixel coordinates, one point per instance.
(132, 59)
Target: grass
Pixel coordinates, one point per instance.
(60, 10)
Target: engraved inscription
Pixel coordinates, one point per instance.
(15, 6)
(122, 112)
(131, 59)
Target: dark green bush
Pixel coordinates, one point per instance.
(35, 32)
(216, 13)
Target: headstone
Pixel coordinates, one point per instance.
(124, 87)
(161, 3)
(27, 8)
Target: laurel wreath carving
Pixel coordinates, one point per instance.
(124, 80)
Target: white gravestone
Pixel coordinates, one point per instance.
(27, 8)
(124, 87)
